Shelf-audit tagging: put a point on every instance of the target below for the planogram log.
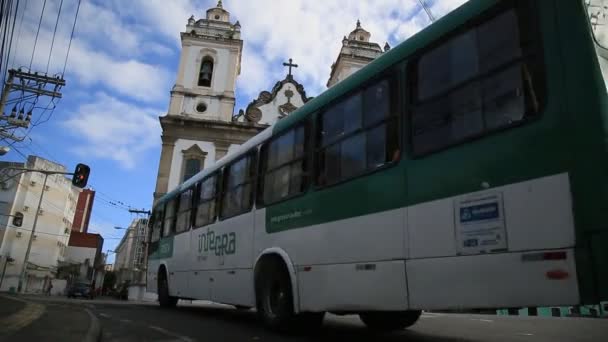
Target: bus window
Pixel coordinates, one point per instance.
(284, 166)
(169, 225)
(358, 135)
(184, 214)
(238, 187)
(205, 212)
(475, 82)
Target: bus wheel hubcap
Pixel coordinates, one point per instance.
(274, 298)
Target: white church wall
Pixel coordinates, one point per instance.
(213, 111)
(270, 111)
(176, 163)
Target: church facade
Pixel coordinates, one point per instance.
(201, 126)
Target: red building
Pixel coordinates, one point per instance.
(84, 206)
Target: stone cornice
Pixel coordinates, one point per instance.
(208, 130)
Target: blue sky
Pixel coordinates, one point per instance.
(123, 62)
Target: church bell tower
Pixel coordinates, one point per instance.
(209, 65)
(199, 127)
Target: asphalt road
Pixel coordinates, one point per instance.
(221, 323)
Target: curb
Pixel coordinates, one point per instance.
(94, 332)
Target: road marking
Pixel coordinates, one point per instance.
(104, 315)
(482, 320)
(126, 320)
(168, 333)
(524, 334)
(430, 314)
(23, 318)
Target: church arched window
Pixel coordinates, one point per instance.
(193, 162)
(192, 167)
(204, 77)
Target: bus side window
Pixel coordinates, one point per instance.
(237, 190)
(170, 211)
(207, 199)
(475, 82)
(284, 166)
(357, 135)
(184, 214)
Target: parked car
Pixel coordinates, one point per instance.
(80, 290)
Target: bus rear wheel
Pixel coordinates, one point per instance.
(164, 299)
(390, 320)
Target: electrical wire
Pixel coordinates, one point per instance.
(19, 33)
(10, 45)
(37, 33)
(71, 38)
(54, 34)
(427, 10)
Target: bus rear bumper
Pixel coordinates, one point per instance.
(517, 279)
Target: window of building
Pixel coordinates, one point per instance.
(284, 166)
(357, 135)
(207, 196)
(184, 214)
(206, 72)
(237, 194)
(201, 107)
(170, 211)
(477, 81)
(193, 166)
(193, 161)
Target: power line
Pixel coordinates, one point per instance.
(19, 33)
(54, 34)
(37, 231)
(427, 9)
(37, 33)
(71, 38)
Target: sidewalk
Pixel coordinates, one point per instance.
(27, 319)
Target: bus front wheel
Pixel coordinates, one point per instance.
(164, 299)
(273, 293)
(390, 320)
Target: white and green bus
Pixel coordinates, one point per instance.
(465, 168)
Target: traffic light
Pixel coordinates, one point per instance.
(18, 219)
(81, 175)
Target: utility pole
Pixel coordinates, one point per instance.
(36, 214)
(31, 86)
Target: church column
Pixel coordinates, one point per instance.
(164, 167)
(221, 149)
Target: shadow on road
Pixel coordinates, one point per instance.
(332, 330)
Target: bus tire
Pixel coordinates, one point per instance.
(274, 300)
(164, 299)
(242, 307)
(390, 320)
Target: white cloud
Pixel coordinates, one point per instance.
(115, 130)
(311, 32)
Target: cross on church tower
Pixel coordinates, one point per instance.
(290, 65)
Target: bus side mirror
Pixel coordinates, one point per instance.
(18, 219)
